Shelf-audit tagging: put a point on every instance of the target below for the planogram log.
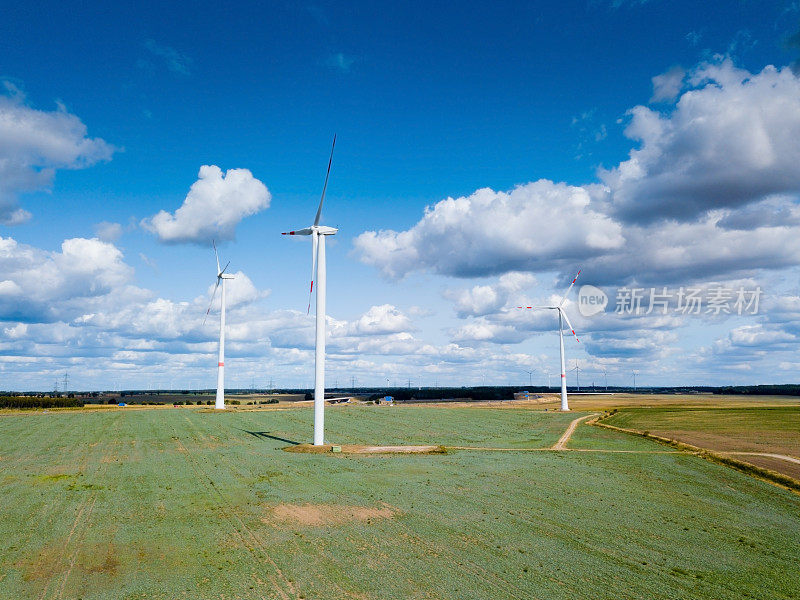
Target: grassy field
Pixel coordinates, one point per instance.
(764, 429)
(188, 503)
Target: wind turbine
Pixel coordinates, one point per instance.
(577, 370)
(562, 316)
(221, 277)
(530, 377)
(318, 233)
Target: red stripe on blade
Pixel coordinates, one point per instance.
(221, 364)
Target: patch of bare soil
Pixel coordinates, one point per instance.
(324, 515)
(358, 449)
(99, 559)
(43, 565)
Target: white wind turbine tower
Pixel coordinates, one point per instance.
(221, 277)
(318, 269)
(562, 316)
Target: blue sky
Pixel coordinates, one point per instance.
(429, 102)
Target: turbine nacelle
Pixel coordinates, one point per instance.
(319, 229)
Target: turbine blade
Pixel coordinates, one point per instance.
(304, 231)
(564, 299)
(571, 328)
(314, 246)
(213, 295)
(226, 266)
(216, 255)
(325, 187)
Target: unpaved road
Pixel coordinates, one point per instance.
(561, 444)
(768, 454)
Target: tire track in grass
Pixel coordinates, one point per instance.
(322, 577)
(48, 508)
(467, 565)
(412, 577)
(75, 523)
(80, 525)
(343, 593)
(232, 518)
(104, 462)
(221, 457)
(470, 567)
(78, 541)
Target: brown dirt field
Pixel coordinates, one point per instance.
(773, 464)
(749, 441)
(323, 515)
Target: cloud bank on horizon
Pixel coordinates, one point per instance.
(708, 194)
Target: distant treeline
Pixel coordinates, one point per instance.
(476, 393)
(505, 392)
(34, 402)
(761, 390)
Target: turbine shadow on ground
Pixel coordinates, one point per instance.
(266, 435)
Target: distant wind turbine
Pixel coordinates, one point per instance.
(562, 316)
(530, 377)
(318, 269)
(577, 370)
(221, 277)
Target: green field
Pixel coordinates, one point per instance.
(187, 503)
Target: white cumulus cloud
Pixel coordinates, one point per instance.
(108, 232)
(492, 232)
(40, 286)
(380, 320)
(212, 209)
(485, 299)
(667, 86)
(238, 291)
(730, 140)
(33, 144)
